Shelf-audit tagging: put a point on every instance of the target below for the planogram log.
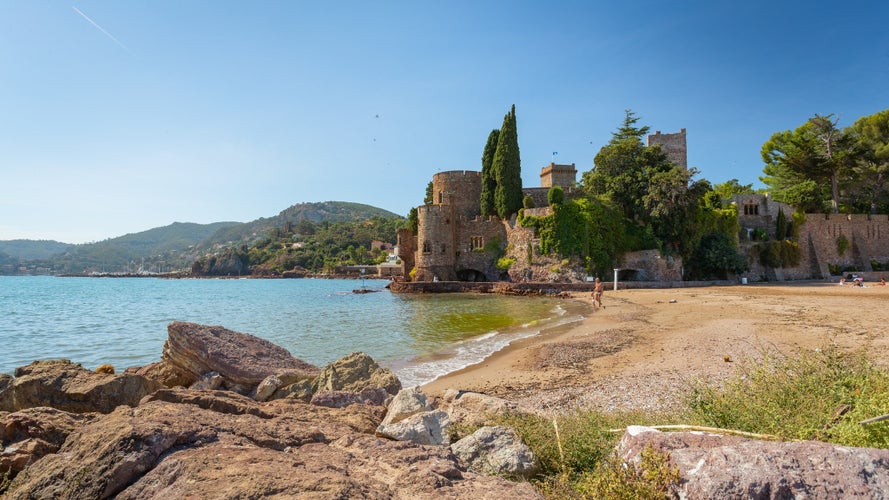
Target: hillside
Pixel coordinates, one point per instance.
(170, 247)
(162, 247)
(33, 249)
(326, 211)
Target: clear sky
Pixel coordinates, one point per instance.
(120, 116)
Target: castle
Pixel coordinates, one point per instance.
(454, 242)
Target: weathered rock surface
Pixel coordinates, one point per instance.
(714, 466)
(28, 435)
(495, 450)
(67, 386)
(301, 390)
(354, 372)
(473, 408)
(407, 402)
(243, 361)
(430, 427)
(340, 399)
(5, 392)
(209, 381)
(212, 444)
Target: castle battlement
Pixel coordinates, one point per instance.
(856, 218)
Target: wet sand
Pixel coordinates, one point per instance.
(642, 348)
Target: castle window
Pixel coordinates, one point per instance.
(442, 248)
(476, 243)
(440, 197)
(427, 247)
(751, 208)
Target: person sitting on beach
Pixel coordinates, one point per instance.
(842, 281)
(882, 282)
(597, 294)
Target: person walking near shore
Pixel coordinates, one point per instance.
(598, 289)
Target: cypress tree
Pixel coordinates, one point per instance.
(507, 168)
(489, 181)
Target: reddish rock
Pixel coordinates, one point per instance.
(714, 466)
(282, 448)
(28, 435)
(67, 386)
(191, 350)
(340, 399)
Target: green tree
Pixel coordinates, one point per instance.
(672, 203)
(413, 220)
(624, 167)
(799, 162)
(716, 256)
(781, 225)
(507, 168)
(427, 200)
(870, 188)
(728, 189)
(489, 180)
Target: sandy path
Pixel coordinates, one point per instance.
(639, 351)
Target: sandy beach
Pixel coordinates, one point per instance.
(641, 349)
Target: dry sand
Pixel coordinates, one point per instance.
(642, 348)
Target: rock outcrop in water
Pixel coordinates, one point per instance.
(158, 439)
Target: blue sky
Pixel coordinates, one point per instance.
(120, 116)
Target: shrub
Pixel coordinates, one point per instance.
(820, 395)
(504, 263)
(528, 201)
(555, 196)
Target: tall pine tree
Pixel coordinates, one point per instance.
(489, 181)
(507, 168)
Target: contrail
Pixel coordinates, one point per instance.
(109, 35)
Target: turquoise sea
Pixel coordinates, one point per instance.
(123, 321)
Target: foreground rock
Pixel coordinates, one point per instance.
(5, 392)
(473, 408)
(67, 386)
(241, 360)
(495, 450)
(714, 466)
(355, 372)
(211, 444)
(28, 435)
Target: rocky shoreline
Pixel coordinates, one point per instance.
(226, 414)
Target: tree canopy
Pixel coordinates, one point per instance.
(507, 168)
(489, 180)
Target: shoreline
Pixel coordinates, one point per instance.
(642, 350)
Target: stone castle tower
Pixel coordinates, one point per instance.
(671, 144)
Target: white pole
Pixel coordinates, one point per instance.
(615, 279)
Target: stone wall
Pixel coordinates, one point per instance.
(407, 250)
(673, 145)
(435, 243)
(650, 265)
(473, 263)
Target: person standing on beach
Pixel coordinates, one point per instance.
(598, 289)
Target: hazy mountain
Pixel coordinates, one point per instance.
(33, 249)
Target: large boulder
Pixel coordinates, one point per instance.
(354, 372)
(242, 360)
(716, 466)
(283, 448)
(28, 435)
(407, 402)
(429, 427)
(495, 450)
(67, 386)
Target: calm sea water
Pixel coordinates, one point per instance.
(123, 321)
